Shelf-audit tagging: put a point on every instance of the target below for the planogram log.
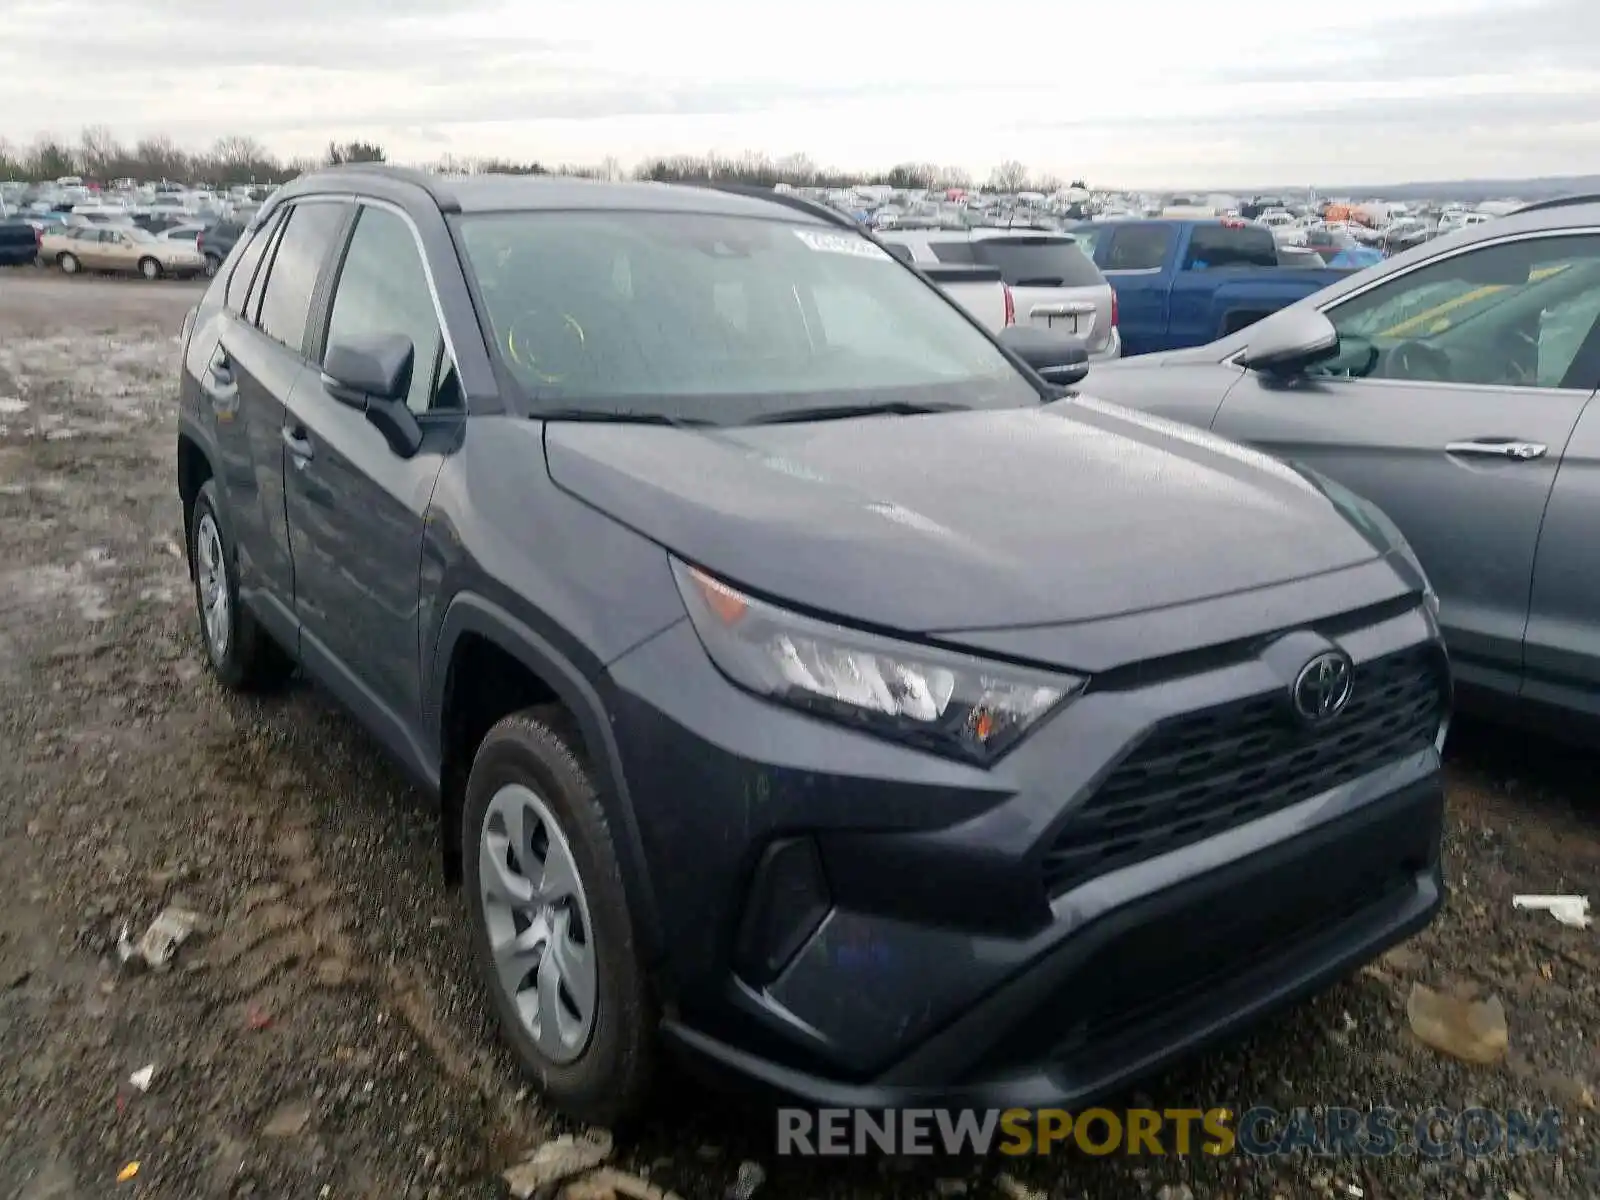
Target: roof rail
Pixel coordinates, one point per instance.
(789, 200)
(428, 182)
(1557, 202)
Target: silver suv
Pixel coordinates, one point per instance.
(1054, 284)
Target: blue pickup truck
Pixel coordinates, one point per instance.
(1189, 282)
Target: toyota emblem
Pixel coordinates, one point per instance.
(1323, 687)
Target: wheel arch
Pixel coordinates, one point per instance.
(471, 617)
(194, 468)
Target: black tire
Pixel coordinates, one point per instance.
(249, 660)
(610, 1080)
(213, 265)
(69, 264)
(150, 268)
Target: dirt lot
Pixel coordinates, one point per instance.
(318, 1037)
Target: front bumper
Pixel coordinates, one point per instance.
(949, 962)
(1157, 979)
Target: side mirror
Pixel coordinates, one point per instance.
(1057, 358)
(1289, 341)
(372, 373)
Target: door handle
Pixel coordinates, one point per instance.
(299, 444)
(1517, 451)
(221, 367)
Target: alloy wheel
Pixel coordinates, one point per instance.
(212, 571)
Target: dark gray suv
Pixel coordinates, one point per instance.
(805, 684)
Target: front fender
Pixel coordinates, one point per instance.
(468, 613)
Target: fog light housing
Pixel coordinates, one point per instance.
(788, 900)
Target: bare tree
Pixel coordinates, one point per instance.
(50, 158)
(1009, 176)
(355, 152)
(160, 158)
(99, 153)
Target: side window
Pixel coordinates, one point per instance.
(309, 233)
(253, 284)
(1230, 245)
(244, 270)
(1139, 248)
(953, 252)
(1087, 237)
(383, 288)
(1514, 314)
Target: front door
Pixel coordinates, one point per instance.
(1450, 405)
(356, 507)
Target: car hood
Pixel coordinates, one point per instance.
(1067, 512)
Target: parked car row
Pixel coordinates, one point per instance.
(807, 686)
(125, 249)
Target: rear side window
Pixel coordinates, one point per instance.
(1139, 248)
(244, 271)
(1037, 261)
(1212, 246)
(307, 239)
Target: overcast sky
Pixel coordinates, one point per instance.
(1168, 93)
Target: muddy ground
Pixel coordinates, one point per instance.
(320, 1037)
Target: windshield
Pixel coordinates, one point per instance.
(720, 319)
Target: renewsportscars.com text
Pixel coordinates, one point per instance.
(1258, 1131)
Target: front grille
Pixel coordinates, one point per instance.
(1202, 773)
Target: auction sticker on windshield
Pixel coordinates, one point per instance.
(841, 243)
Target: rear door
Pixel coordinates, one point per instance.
(262, 356)
(1054, 284)
(93, 251)
(1133, 256)
(1451, 404)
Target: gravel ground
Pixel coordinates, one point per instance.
(320, 1036)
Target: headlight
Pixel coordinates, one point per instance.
(949, 703)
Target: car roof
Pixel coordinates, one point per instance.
(550, 193)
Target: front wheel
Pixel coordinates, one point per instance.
(551, 928)
(69, 264)
(149, 268)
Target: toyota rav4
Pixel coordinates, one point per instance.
(805, 684)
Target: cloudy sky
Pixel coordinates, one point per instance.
(1168, 93)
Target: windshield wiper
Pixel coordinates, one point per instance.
(839, 412)
(620, 417)
(1041, 281)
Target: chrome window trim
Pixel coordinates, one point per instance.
(1484, 244)
(422, 253)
